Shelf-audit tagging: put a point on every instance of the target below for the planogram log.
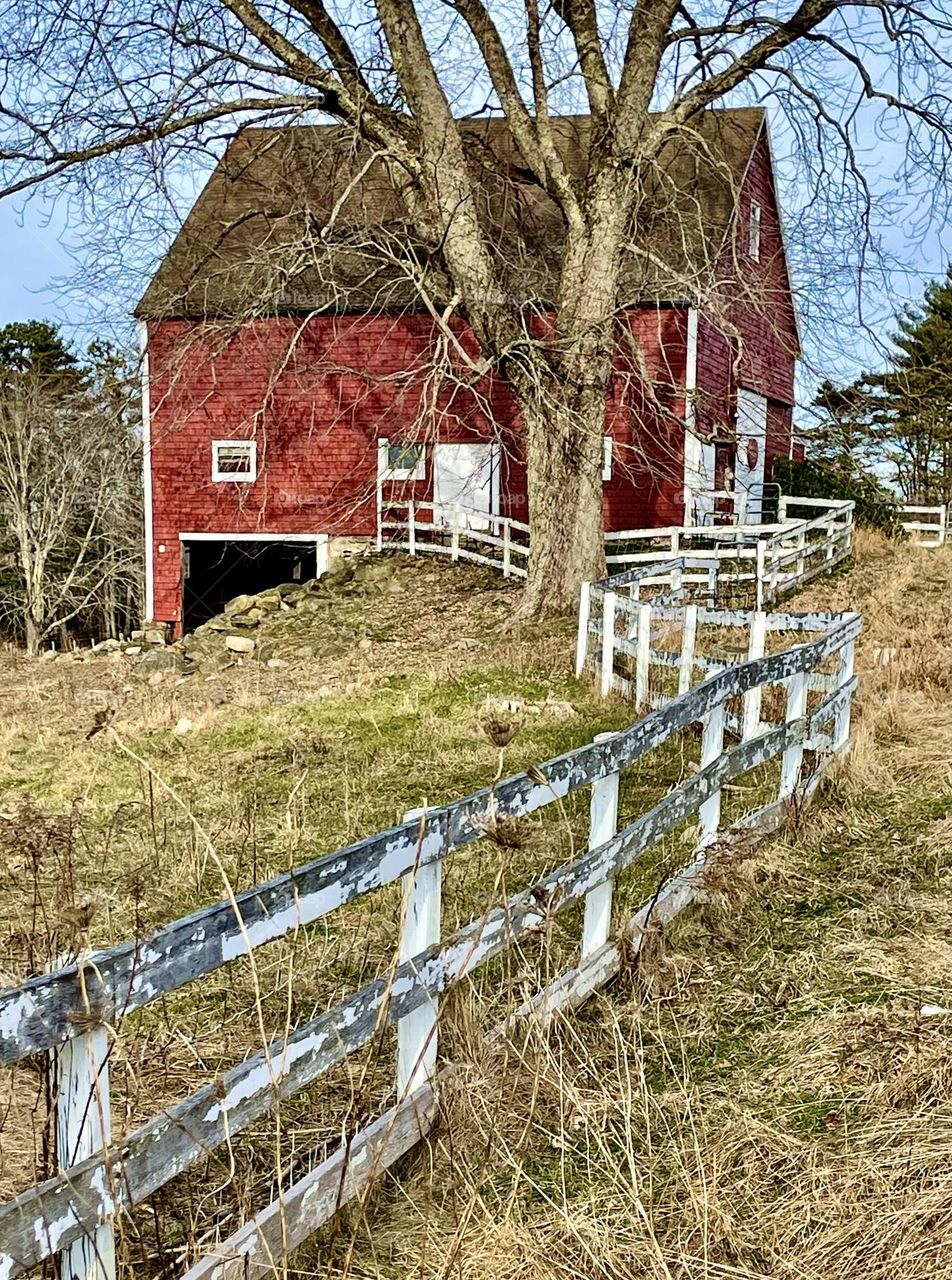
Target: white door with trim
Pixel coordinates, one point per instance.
(465, 476)
(751, 452)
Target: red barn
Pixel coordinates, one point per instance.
(288, 369)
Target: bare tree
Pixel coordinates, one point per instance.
(67, 505)
(170, 76)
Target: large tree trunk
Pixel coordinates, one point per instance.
(563, 432)
(563, 403)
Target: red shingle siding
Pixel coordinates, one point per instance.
(763, 307)
(316, 395)
(647, 484)
(755, 344)
(779, 428)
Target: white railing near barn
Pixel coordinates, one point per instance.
(928, 525)
(765, 561)
(78, 1011)
(429, 527)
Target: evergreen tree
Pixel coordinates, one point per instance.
(912, 417)
(898, 422)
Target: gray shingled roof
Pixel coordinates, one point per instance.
(304, 218)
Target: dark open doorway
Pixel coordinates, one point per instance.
(215, 571)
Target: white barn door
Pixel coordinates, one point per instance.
(466, 476)
(751, 452)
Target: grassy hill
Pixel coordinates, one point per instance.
(768, 1093)
(764, 1093)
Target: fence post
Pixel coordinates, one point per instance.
(608, 641)
(506, 549)
(84, 1127)
(688, 642)
(416, 1032)
(643, 656)
(603, 825)
(454, 535)
(584, 613)
(753, 697)
(782, 511)
(760, 573)
(411, 527)
(712, 746)
(793, 756)
(841, 732)
(801, 553)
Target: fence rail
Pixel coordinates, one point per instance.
(457, 532)
(928, 525)
(760, 562)
(72, 1214)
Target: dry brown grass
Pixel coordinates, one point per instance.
(771, 1099)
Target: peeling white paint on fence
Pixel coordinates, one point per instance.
(104, 1178)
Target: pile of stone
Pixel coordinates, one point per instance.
(230, 637)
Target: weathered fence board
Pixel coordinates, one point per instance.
(255, 1251)
(51, 1215)
(40, 1014)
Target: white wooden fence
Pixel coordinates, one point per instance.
(626, 640)
(762, 562)
(927, 525)
(418, 527)
(104, 1174)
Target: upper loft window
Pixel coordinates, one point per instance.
(401, 461)
(753, 232)
(234, 460)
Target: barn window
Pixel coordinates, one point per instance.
(607, 458)
(753, 230)
(401, 461)
(234, 460)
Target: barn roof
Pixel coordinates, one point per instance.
(305, 218)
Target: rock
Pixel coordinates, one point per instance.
(293, 595)
(325, 691)
(365, 645)
(264, 652)
(217, 624)
(238, 605)
(153, 636)
(268, 601)
(276, 664)
(49, 655)
(106, 646)
(209, 664)
(184, 726)
(160, 660)
(156, 678)
(239, 644)
(250, 618)
(132, 650)
(309, 604)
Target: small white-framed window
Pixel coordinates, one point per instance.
(753, 232)
(607, 450)
(396, 461)
(234, 460)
